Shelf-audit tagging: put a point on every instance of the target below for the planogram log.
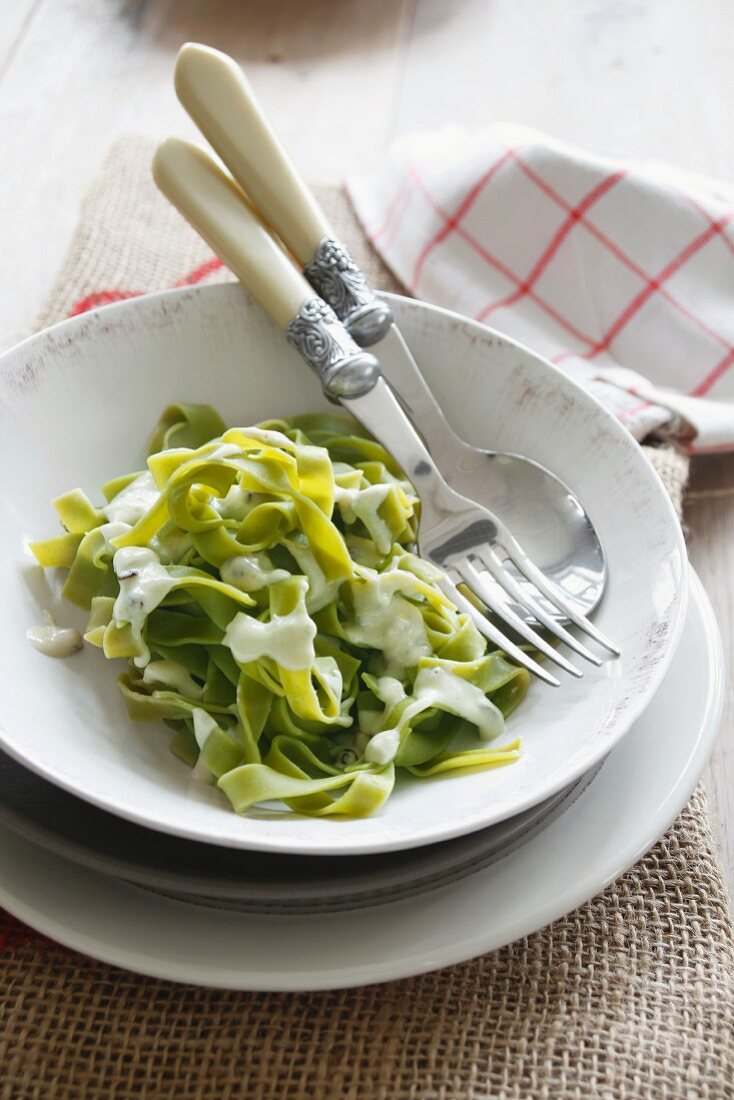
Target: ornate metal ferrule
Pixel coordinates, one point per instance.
(344, 369)
(334, 275)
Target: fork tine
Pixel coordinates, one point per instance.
(489, 630)
(510, 585)
(478, 585)
(529, 570)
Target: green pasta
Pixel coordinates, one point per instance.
(262, 586)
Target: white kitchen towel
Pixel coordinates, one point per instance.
(622, 274)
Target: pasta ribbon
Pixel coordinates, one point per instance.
(262, 585)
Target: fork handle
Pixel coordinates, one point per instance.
(214, 90)
(222, 215)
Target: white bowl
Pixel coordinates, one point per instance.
(77, 403)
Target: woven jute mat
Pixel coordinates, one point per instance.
(630, 996)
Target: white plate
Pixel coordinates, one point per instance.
(639, 791)
(249, 881)
(76, 406)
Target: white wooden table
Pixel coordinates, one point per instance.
(638, 78)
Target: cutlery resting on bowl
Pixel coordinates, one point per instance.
(467, 543)
(534, 504)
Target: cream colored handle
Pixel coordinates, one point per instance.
(220, 213)
(218, 97)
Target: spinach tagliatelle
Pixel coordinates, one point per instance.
(261, 585)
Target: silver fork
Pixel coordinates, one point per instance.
(470, 545)
(466, 542)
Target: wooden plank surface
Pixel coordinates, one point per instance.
(87, 71)
(339, 78)
(634, 78)
(709, 516)
(16, 18)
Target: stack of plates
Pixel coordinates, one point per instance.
(108, 844)
(248, 881)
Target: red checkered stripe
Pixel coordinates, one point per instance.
(118, 294)
(453, 222)
(576, 215)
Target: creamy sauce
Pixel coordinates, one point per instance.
(172, 676)
(144, 582)
(224, 450)
(110, 531)
(173, 547)
(53, 640)
(204, 725)
(434, 687)
(330, 675)
(383, 620)
(267, 435)
(251, 572)
(383, 747)
(421, 568)
(287, 639)
(320, 591)
(272, 438)
(389, 691)
(363, 504)
(131, 504)
(236, 504)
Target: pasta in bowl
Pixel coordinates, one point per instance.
(260, 583)
(76, 404)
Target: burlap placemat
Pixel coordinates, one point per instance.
(630, 996)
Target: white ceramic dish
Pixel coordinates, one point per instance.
(248, 881)
(640, 789)
(76, 405)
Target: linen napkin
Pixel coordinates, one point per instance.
(631, 996)
(622, 274)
